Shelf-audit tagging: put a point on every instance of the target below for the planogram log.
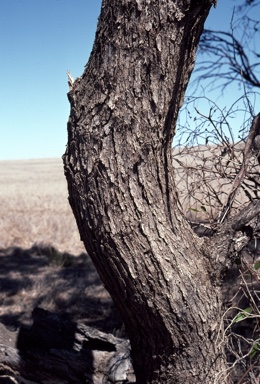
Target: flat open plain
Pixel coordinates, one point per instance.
(34, 206)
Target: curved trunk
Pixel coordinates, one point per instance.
(118, 165)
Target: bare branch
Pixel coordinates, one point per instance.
(254, 131)
(230, 56)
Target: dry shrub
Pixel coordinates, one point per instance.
(215, 181)
(205, 176)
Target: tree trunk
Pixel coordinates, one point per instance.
(118, 165)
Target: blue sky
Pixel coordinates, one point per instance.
(39, 41)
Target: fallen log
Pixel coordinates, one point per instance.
(57, 350)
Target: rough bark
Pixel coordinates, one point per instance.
(118, 165)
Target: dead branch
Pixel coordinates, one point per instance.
(254, 131)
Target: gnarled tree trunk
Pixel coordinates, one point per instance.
(118, 164)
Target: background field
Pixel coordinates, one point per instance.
(34, 206)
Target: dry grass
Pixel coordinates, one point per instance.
(60, 283)
(42, 260)
(34, 206)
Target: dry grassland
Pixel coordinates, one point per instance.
(42, 260)
(34, 206)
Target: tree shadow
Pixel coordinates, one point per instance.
(52, 340)
(62, 284)
(58, 282)
(57, 350)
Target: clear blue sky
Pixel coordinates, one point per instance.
(39, 41)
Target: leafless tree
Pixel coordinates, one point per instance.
(165, 280)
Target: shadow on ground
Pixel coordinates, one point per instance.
(58, 282)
